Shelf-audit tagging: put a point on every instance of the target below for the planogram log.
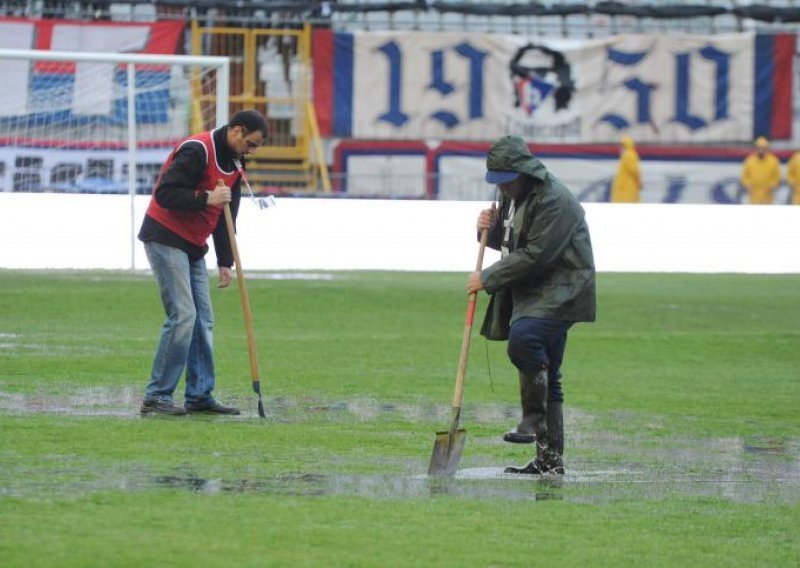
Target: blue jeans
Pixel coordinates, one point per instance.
(534, 343)
(187, 336)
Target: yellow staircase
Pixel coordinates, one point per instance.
(272, 168)
(271, 73)
(291, 168)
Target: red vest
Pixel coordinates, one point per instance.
(194, 226)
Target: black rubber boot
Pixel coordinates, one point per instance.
(535, 417)
(533, 397)
(555, 431)
(537, 466)
(548, 454)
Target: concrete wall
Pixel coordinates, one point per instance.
(94, 232)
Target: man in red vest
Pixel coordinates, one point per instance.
(185, 209)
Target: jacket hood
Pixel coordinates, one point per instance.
(627, 143)
(511, 154)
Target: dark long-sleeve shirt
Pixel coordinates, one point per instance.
(177, 190)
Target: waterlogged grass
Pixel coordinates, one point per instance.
(683, 438)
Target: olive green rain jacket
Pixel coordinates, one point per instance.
(549, 269)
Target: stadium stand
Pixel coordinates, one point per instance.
(311, 116)
(573, 19)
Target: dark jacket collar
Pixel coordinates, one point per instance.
(224, 153)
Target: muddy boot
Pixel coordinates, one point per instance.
(539, 465)
(533, 397)
(555, 432)
(548, 455)
(534, 417)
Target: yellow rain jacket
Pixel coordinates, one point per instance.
(760, 177)
(793, 177)
(628, 181)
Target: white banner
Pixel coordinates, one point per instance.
(481, 86)
(461, 177)
(427, 85)
(77, 171)
(663, 181)
(675, 88)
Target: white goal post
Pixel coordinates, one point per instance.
(84, 122)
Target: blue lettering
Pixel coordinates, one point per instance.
(395, 115)
(641, 89)
(438, 81)
(682, 84)
(722, 79)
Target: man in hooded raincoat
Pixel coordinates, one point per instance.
(628, 182)
(761, 173)
(543, 284)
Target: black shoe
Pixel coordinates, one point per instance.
(211, 407)
(161, 407)
(534, 467)
(516, 437)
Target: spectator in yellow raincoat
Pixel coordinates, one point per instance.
(793, 176)
(761, 173)
(628, 181)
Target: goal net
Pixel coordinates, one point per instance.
(81, 122)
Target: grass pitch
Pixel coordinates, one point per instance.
(683, 436)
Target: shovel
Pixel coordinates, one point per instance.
(246, 311)
(448, 445)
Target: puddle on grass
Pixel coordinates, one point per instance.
(17, 348)
(8, 340)
(293, 276)
(293, 410)
(602, 466)
(88, 401)
(768, 446)
(125, 401)
(476, 483)
(370, 486)
(581, 486)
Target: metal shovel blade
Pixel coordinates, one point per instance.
(447, 449)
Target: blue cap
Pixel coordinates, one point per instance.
(497, 177)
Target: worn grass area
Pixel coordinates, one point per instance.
(683, 438)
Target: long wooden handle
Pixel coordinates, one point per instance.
(472, 300)
(245, 299)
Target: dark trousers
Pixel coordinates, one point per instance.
(534, 343)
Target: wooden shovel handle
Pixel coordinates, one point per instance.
(472, 300)
(243, 296)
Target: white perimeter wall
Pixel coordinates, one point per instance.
(94, 232)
